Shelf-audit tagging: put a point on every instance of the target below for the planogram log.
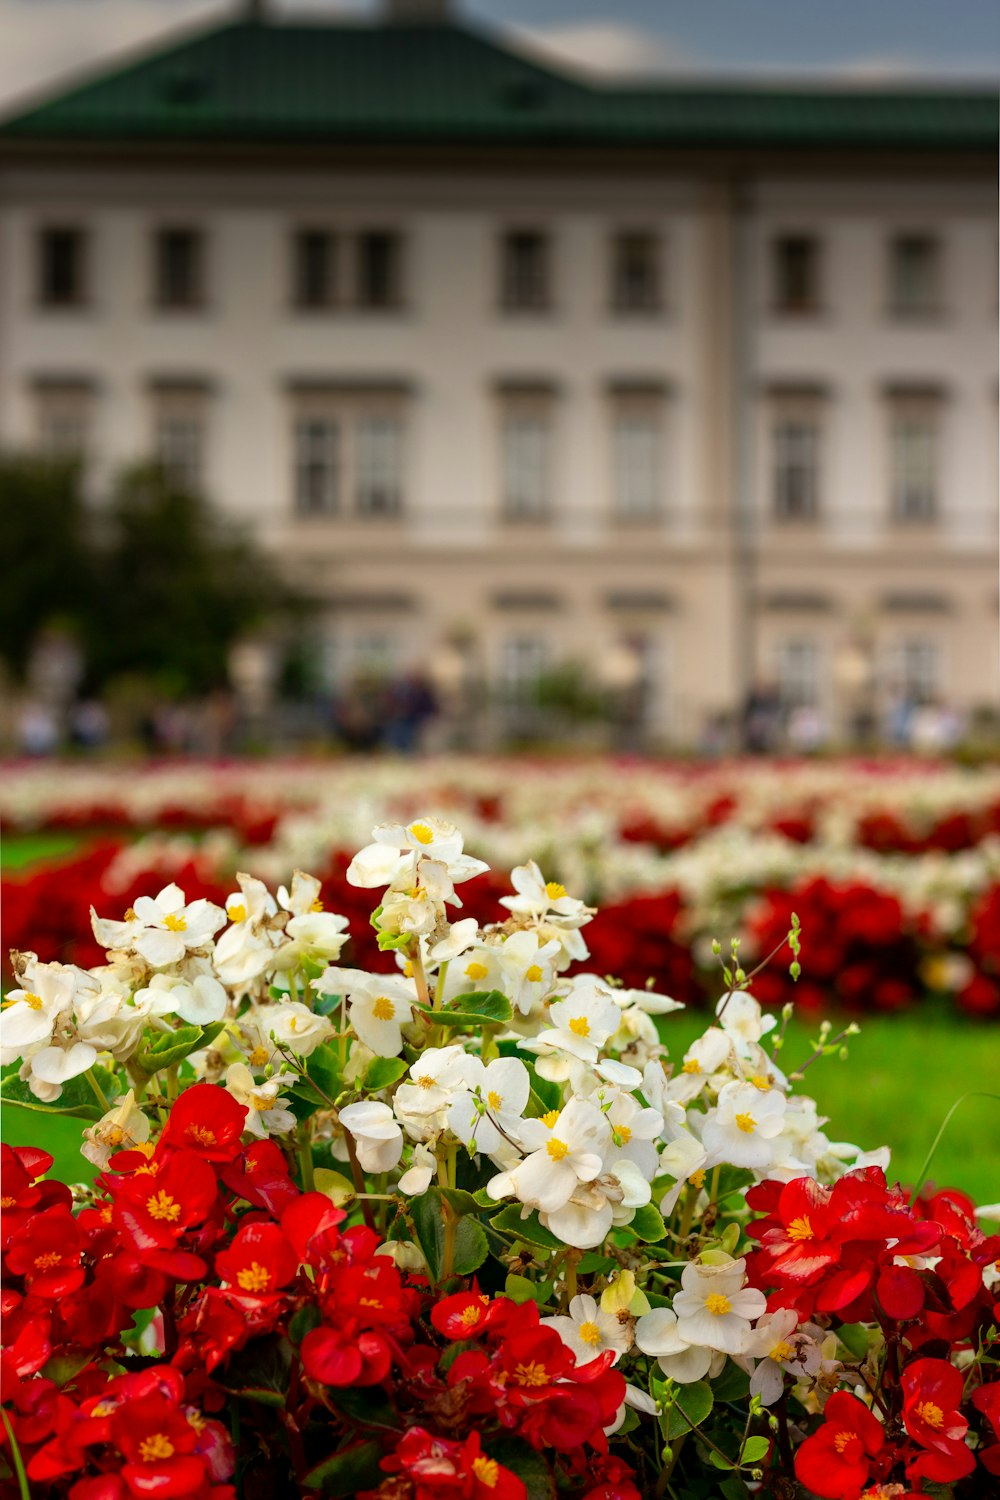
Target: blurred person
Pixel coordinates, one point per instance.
(762, 714)
(410, 706)
(89, 724)
(806, 729)
(37, 730)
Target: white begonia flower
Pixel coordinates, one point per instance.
(683, 1158)
(618, 1073)
(266, 1112)
(633, 1131)
(477, 968)
(111, 1023)
(461, 937)
(537, 897)
(588, 1331)
(704, 1058)
(491, 1112)
(378, 1005)
(397, 847)
(565, 1149)
(124, 1126)
(294, 1026)
(171, 927)
(779, 1346)
(420, 1173)
(314, 937)
(584, 1020)
(437, 1075)
(304, 896)
(377, 1137)
(742, 1019)
(742, 1128)
(714, 1308)
(242, 954)
(31, 1014)
(528, 968)
(199, 1001)
(650, 1001)
(657, 1334)
(51, 1067)
(252, 904)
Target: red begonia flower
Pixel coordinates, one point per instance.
(836, 1461)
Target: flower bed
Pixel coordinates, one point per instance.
(458, 1224)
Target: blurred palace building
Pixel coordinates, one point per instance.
(695, 384)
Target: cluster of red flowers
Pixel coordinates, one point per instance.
(861, 950)
(217, 1237)
(858, 1252)
(638, 940)
(980, 995)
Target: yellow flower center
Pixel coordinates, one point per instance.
(34, 1001)
(697, 1178)
(931, 1413)
(475, 970)
(624, 1133)
(254, 1277)
(175, 923)
(237, 912)
(801, 1228)
(579, 1026)
(258, 1057)
(162, 1206)
(550, 1118)
(421, 833)
(130, 915)
(383, 1008)
(718, 1304)
(533, 974)
(114, 1135)
(590, 1333)
(47, 1260)
(554, 890)
(691, 1065)
(487, 1471)
(317, 905)
(493, 1099)
(760, 1082)
(7, 1202)
(782, 1350)
(471, 1315)
(202, 1134)
(155, 1448)
(530, 1374)
(746, 1123)
(557, 1149)
(261, 1102)
(425, 1081)
(843, 1438)
(103, 1409)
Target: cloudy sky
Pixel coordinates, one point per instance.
(44, 41)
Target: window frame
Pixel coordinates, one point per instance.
(929, 305)
(301, 235)
(811, 303)
(77, 235)
(806, 418)
(196, 298)
(512, 299)
(626, 305)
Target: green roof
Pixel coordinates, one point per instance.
(449, 84)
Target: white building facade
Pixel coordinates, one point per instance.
(693, 405)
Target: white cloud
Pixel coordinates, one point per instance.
(605, 47)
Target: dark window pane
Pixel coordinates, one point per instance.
(525, 271)
(796, 470)
(914, 274)
(379, 258)
(796, 273)
(60, 267)
(178, 267)
(313, 273)
(636, 273)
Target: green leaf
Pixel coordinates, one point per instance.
(170, 1047)
(471, 1246)
(529, 1466)
(489, 1008)
(733, 1488)
(389, 940)
(76, 1100)
(520, 1289)
(461, 1201)
(855, 1338)
(366, 1406)
(719, 1460)
(323, 1065)
(348, 1470)
(382, 1072)
(509, 1221)
(732, 1385)
(304, 1321)
(754, 1449)
(648, 1225)
(697, 1402)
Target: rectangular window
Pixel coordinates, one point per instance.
(178, 268)
(61, 254)
(796, 469)
(637, 477)
(635, 283)
(379, 465)
(379, 269)
(524, 660)
(317, 453)
(63, 422)
(796, 273)
(798, 672)
(526, 461)
(524, 271)
(314, 268)
(914, 275)
(180, 441)
(914, 466)
(915, 669)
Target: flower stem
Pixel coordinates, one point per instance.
(360, 1186)
(98, 1091)
(15, 1453)
(303, 1150)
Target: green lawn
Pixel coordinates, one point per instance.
(21, 849)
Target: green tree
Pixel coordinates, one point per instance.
(45, 542)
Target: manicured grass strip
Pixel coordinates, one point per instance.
(19, 850)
